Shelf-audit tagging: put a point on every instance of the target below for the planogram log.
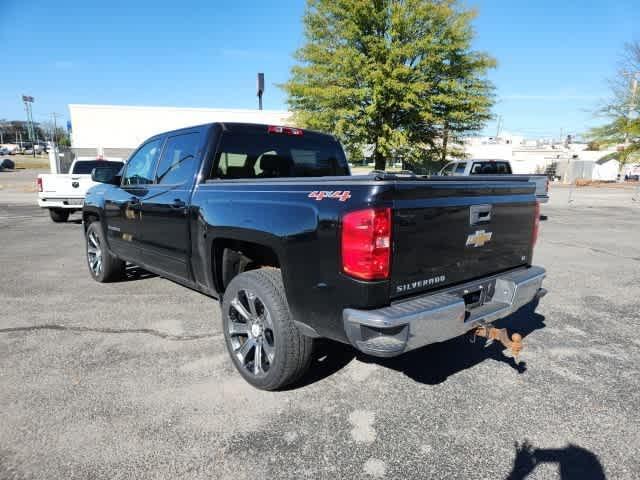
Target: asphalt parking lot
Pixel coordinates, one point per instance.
(132, 380)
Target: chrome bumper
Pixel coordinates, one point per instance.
(413, 323)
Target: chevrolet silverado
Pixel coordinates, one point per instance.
(269, 221)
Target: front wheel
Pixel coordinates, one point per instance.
(261, 337)
(59, 215)
(103, 265)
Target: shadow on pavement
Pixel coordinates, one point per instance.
(574, 463)
(432, 364)
(328, 358)
(133, 272)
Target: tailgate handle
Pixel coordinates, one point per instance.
(479, 214)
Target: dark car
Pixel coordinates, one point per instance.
(268, 220)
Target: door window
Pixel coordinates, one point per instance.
(141, 165)
(179, 159)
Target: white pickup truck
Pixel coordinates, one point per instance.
(495, 167)
(63, 193)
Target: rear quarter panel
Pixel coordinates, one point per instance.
(303, 232)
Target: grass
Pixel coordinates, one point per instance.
(29, 161)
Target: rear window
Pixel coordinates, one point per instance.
(460, 167)
(277, 155)
(490, 168)
(86, 167)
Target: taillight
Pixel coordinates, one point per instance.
(39, 184)
(366, 243)
(285, 130)
(536, 224)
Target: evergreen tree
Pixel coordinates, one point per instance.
(396, 75)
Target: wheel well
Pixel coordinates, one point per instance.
(88, 217)
(231, 257)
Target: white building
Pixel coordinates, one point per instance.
(568, 162)
(114, 131)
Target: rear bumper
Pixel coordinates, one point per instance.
(419, 321)
(70, 203)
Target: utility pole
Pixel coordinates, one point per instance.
(55, 128)
(28, 102)
(260, 89)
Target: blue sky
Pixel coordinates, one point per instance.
(553, 56)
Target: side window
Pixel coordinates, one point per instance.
(141, 166)
(179, 159)
(461, 167)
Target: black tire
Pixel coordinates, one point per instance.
(291, 351)
(59, 215)
(109, 268)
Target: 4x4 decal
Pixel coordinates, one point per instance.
(343, 196)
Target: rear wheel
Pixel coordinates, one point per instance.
(59, 215)
(103, 265)
(264, 343)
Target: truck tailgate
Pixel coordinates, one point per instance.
(448, 232)
(65, 185)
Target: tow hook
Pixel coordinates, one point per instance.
(491, 333)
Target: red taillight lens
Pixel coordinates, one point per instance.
(536, 224)
(366, 243)
(39, 184)
(285, 130)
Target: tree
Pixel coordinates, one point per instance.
(396, 75)
(623, 109)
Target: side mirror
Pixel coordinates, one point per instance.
(106, 175)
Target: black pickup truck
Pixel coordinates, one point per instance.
(269, 220)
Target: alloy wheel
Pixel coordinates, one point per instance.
(94, 252)
(251, 333)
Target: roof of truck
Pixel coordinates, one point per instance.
(244, 126)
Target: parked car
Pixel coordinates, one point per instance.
(632, 172)
(63, 194)
(464, 168)
(268, 220)
(10, 149)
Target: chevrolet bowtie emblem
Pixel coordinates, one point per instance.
(479, 238)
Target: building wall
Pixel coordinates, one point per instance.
(119, 129)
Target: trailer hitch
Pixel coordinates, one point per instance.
(500, 334)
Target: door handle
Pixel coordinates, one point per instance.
(177, 203)
(479, 214)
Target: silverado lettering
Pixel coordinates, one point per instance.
(420, 283)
